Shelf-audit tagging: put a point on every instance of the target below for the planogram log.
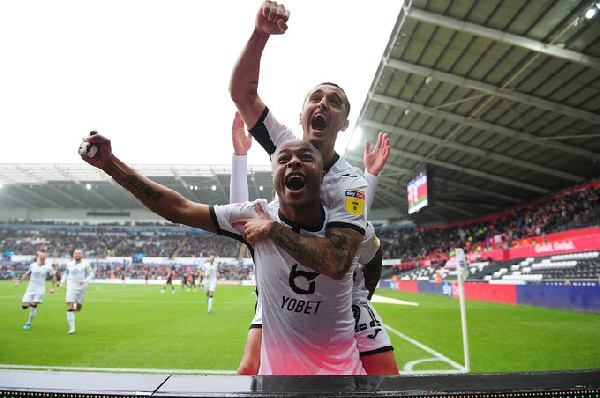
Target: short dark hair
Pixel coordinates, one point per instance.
(346, 101)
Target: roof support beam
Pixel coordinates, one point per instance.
(503, 37)
(492, 128)
(472, 150)
(31, 192)
(493, 90)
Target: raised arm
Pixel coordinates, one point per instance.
(158, 198)
(271, 19)
(374, 162)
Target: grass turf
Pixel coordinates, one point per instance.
(136, 327)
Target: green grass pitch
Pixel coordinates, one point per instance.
(135, 327)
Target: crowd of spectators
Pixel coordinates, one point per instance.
(410, 246)
(521, 225)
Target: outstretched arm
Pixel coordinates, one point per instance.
(25, 275)
(158, 198)
(271, 19)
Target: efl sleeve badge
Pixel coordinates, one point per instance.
(355, 201)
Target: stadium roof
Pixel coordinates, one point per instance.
(500, 100)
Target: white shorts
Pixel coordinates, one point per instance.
(75, 296)
(210, 286)
(32, 298)
(369, 332)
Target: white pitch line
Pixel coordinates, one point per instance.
(121, 370)
(431, 351)
(388, 300)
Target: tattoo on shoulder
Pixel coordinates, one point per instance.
(144, 188)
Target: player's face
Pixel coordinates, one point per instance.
(212, 258)
(77, 255)
(324, 114)
(297, 173)
(41, 258)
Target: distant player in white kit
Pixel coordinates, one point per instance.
(77, 275)
(210, 274)
(34, 295)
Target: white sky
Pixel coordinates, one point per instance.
(153, 75)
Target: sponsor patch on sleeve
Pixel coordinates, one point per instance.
(355, 201)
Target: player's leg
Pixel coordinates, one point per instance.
(376, 350)
(33, 307)
(71, 316)
(71, 306)
(250, 362)
(26, 304)
(211, 292)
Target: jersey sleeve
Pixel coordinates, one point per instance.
(89, 272)
(238, 190)
(223, 216)
(345, 195)
(269, 133)
(372, 181)
(369, 245)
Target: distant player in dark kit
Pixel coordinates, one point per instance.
(169, 277)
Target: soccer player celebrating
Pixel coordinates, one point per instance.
(78, 274)
(36, 289)
(324, 115)
(308, 328)
(210, 273)
(373, 340)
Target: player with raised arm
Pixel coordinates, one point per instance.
(307, 311)
(78, 273)
(36, 289)
(323, 116)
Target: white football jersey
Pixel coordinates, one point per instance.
(308, 327)
(77, 272)
(37, 277)
(210, 270)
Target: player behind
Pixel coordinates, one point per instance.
(169, 282)
(77, 274)
(307, 309)
(210, 274)
(36, 289)
(324, 114)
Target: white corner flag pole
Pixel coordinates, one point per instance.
(462, 272)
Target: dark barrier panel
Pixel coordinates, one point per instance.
(490, 292)
(580, 384)
(582, 298)
(430, 288)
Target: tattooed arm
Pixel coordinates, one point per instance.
(331, 256)
(158, 198)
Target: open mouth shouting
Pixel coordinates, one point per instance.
(295, 182)
(319, 122)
